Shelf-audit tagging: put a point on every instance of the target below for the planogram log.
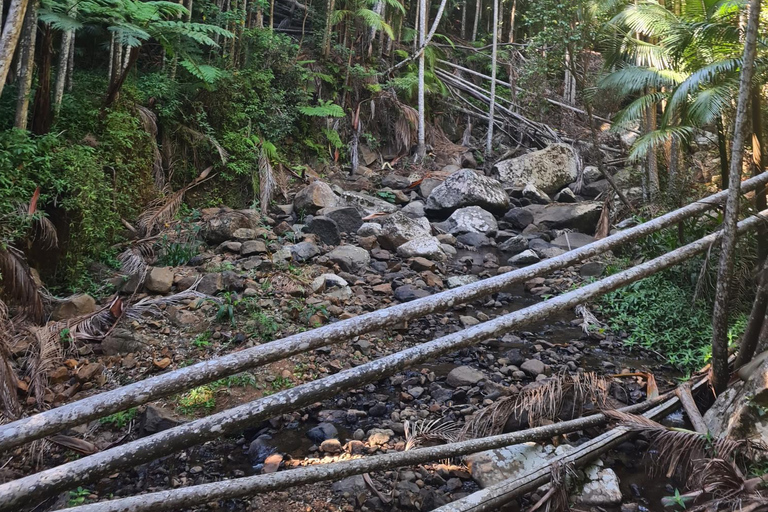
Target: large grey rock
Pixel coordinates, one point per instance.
(304, 251)
(737, 412)
(514, 245)
(398, 228)
(427, 247)
(156, 419)
(222, 226)
(76, 305)
(467, 188)
(350, 258)
(549, 169)
(414, 209)
(251, 247)
(524, 258)
(121, 341)
(570, 241)
(365, 204)
(471, 219)
(409, 292)
(464, 376)
(325, 228)
(159, 280)
(536, 196)
(494, 466)
(313, 197)
(582, 216)
(347, 218)
(519, 218)
(601, 489)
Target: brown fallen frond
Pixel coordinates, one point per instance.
(149, 123)
(674, 447)
(540, 401)
(266, 181)
(94, 326)
(432, 430)
(162, 211)
(44, 354)
(9, 402)
(75, 444)
(134, 259)
(199, 136)
(152, 305)
(17, 285)
(556, 497)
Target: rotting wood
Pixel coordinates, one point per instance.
(68, 476)
(76, 413)
(493, 497)
(176, 499)
(691, 409)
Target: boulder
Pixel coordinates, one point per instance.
(582, 217)
(303, 251)
(471, 219)
(474, 239)
(570, 241)
(350, 258)
(395, 181)
(427, 185)
(156, 419)
(322, 432)
(325, 228)
(514, 245)
(76, 305)
(409, 292)
(159, 280)
(601, 489)
(313, 197)
(347, 219)
(414, 209)
(251, 247)
(536, 196)
(464, 376)
(550, 169)
(467, 188)
(566, 196)
(398, 228)
(120, 341)
(222, 226)
(365, 204)
(494, 466)
(524, 258)
(518, 218)
(369, 229)
(425, 247)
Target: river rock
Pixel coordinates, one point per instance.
(514, 245)
(467, 188)
(353, 485)
(398, 228)
(464, 376)
(350, 258)
(347, 219)
(159, 280)
(369, 229)
(325, 228)
(570, 241)
(534, 195)
(566, 196)
(156, 419)
(322, 432)
(471, 219)
(550, 169)
(602, 488)
(456, 281)
(395, 181)
(76, 305)
(365, 204)
(533, 367)
(313, 197)
(425, 247)
(260, 448)
(222, 226)
(524, 258)
(582, 216)
(518, 218)
(414, 209)
(251, 247)
(409, 292)
(494, 466)
(120, 341)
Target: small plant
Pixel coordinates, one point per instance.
(262, 325)
(119, 419)
(202, 340)
(240, 380)
(227, 308)
(386, 195)
(224, 266)
(281, 383)
(78, 497)
(178, 250)
(202, 397)
(678, 499)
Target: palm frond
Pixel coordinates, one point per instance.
(700, 78)
(134, 259)
(17, 285)
(9, 402)
(636, 110)
(654, 140)
(43, 356)
(149, 123)
(433, 430)
(152, 306)
(634, 79)
(266, 182)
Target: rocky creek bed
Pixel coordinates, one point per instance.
(334, 254)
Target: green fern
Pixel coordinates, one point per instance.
(324, 109)
(203, 72)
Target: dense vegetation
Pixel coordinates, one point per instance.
(111, 107)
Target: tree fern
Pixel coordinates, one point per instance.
(203, 72)
(324, 109)
(658, 138)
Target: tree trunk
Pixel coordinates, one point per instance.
(27, 60)
(478, 9)
(492, 107)
(421, 149)
(61, 69)
(272, 15)
(328, 25)
(41, 112)
(512, 21)
(728, 248)
(14, 20)
(722, 150)
(464, 20)
(750, 339)
(71, 63)
(114, 88)
(759, 162)
(569, 84)
(652, 161)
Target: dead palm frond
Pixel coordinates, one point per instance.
(432, 430)
(43, 356)
(93, 326)
(590, 322)
(556, 497)
(152, 305)
(162, 211)
(134, 259)
(266, 180)
(544, 400)
(199, 136)
(674, 447)
(18, 286)
(9, 402)
(149, 123)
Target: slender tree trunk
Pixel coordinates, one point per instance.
(476, 23)
(71, 63)
(512, 21)
(114, 88)
(652, 162)
(722, 150)
(328, 26)
(41, 113)
(464, 20)
(492, 107)
(272, 15)
(112, 57)
(759, 162)
(421, 149)
(569, 85)
(14, 20)
(27, 60)
(61, 69)
(728, 249)
(756, 321)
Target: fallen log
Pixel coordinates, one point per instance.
(492, 498)
(68, 476)
(691, 409)
(176, 499)
(52, 421)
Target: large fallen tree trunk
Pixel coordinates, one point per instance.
(80, 412)
(68, 476)
(495, 496)
(176, 499)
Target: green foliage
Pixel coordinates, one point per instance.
(78, 497)
(201, 397)
(202, 340)
(323, 109)
(260, 323)
(119, 419)
(226, 311)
